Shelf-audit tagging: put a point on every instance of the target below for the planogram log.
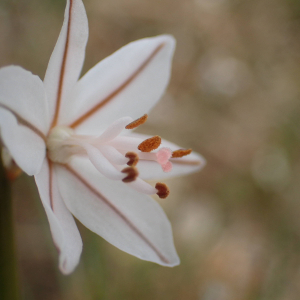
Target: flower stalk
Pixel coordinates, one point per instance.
(8, 264)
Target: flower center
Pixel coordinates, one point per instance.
(113, 155)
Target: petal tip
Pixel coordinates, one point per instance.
(174, 262)
(67, 265)
(17, 71)
(65, 272)
(198, 160)
(168, 40)
(202, 162)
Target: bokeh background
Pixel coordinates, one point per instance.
(234, 98)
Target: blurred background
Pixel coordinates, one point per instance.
(234, 98)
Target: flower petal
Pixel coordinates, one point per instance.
(22, 93)
(131, 221)
(26, 147)
(63, 227)
(127, 83)
(67, 57)
(149, 170)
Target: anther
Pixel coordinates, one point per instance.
(162, 190)
(11, 168)
(150, 144)
(133, 159)
(132, 174)
(13, 172)
(181, 153)
(137, 122)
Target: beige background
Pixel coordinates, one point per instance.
(233, 97)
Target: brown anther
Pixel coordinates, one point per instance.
(133, 159)
(13, 173)
(132, 174)
(137, 122)
(181, 153)
(163, 190)
(150, 144)
(12, 170)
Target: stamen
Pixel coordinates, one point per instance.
(162, 190)
(113, 155)
(133, 159)
(181, 153)
(132, 174)
(137, 122)
(101, 163)
(150, 144)
(114, 130)
(142, 187)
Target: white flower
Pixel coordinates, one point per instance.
(67, 132)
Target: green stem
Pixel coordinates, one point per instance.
(8, 264)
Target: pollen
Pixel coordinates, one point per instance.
(132, 174)
(150, 144)
(162, 190)
(137, 122)
(181, 152)
(133, 159)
